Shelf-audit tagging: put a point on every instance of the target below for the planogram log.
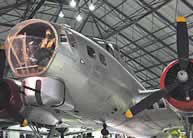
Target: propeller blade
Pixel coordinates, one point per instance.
(182, 42)
(149, 100)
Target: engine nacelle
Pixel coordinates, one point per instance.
(51, 91)
(9, 98)
(177, 98)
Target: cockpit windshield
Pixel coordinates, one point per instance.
(30, 54)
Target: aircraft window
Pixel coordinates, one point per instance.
(102, 59)
(21, 136)
(63, 38)
(29, 136)
(91, 52)
(110, 49)
(71, 39)
(161, 104)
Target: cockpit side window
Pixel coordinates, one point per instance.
(102, 59)
(63, 38)
(91, 52)
(161, 104)
(71, 39)
(110, 49)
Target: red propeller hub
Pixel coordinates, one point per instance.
(178, 97)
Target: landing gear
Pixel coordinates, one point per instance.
(62, 131)
(54, 132)
(104, 131)
(188, 126)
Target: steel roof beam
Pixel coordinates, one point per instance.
(7, 8)
(28, 7)
(151, 43)
(151, 79)
(113, 9)
(140, 64)
(153, 66)
(83, 23)
(98, 27)
(36, 9)
(122, 35)
(141, 78)
(56, 15)
(145, 81)
(13, 6)
(6, 25)
(172, 25)
(187, 4)
(134, 21)
(146, 36)
(138, 25)
(141, 55)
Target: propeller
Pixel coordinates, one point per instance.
(150, 100)
(182, 75)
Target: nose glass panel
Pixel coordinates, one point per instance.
(30, 55)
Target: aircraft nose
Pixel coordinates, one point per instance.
(31, 48)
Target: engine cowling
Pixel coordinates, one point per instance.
(177, 98)
(9, 98)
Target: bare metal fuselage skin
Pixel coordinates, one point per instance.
(99, 92)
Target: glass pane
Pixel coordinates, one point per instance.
(102, 59)
(63, 38)
(30, 54)
(161, 104)
(91, 52)
(71, 39)
(110, 49)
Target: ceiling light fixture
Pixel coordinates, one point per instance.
(91, 7)
(73, 3)
(61, 14)
(79, 17)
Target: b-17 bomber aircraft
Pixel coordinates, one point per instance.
(63, 79)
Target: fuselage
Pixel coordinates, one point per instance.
(100, 88)
(105, 92)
